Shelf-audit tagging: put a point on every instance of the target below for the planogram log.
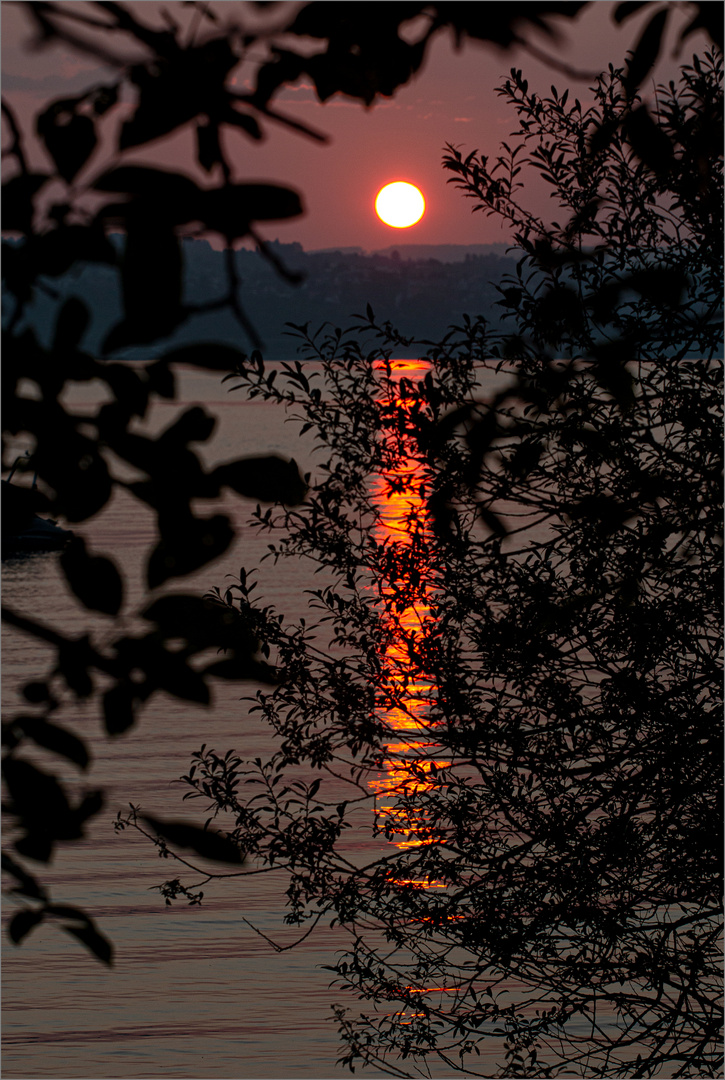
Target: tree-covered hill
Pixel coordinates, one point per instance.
(421, 296)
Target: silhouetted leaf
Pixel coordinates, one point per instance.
(269, 479)
(709, 19)
(444, 516)
(90, 805)
(129, 389)
(93, 940)
(511, 298)
(601, 136)
(659, 284)
(35, 845)
(209, 150)
(75, 661)
(243, 120)
(609, 511)
(501, 24)
(72, 323)
(69, 137)
(230, 210)
(584, 217)
(448, 425)
(23, 922)
(649, 141)
(161, 380)
(151, 272)
(202, 623)
(17, 199)
(177, 87)
(64, 911)
(286, 66)
(202, 540)
(54, 738)
(42, 807)
(194, 425)
(612, 373)
(208, 844)
(646, 51)
(118, 709)
(174, 675)
(161, 108)
(73, 465)
(27, 884)
(37, 796)
(492, 521)
(177, 613)
(93, 578)
(624, 10)
(525, 458)
(56, 251)
(160, 187)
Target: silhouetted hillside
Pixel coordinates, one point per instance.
(421, 297)
(444, 252)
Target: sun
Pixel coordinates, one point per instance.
(400, 204)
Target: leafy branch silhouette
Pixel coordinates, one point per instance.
(63, 215)
(497, 762)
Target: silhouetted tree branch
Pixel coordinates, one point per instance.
(521, 687)
(176, 77)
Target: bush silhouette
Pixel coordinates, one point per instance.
(182, 81)
(513, 676)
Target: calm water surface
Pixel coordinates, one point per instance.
(194, 991)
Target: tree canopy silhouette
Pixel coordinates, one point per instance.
(520, 687)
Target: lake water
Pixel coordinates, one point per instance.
(194, 992)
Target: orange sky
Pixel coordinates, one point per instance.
(452, 100)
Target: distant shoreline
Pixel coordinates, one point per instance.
(420, 252)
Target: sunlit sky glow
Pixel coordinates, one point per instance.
(452, 100)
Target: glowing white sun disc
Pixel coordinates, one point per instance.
(400, 204)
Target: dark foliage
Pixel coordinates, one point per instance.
(520, 690)
(180, 80)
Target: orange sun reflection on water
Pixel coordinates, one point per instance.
(400, 497)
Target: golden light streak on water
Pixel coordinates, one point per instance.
(400, 498)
